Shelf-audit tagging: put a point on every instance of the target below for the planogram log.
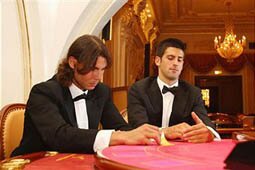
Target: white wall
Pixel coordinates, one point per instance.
(52, 27)
(12, 81)
(49, 25)
(0, 52)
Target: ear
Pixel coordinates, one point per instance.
(72, 61)
(157, 60)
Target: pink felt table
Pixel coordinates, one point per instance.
(181, 155)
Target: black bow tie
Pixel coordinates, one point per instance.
(82, 96)
(173, 90)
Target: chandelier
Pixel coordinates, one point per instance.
(229, 48)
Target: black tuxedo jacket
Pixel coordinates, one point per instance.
(50, 121)
(145, 104)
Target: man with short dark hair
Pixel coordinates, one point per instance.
(170, 103)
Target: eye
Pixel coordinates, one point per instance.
(98, 69)
(180, 59)
(170, 57)
(94, 69)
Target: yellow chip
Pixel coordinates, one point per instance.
(163, 140)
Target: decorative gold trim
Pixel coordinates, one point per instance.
(25, 47)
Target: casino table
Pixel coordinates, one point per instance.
(180, 155)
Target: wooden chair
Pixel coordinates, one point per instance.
(11, 128)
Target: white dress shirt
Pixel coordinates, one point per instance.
(168, 99)
(103, 136)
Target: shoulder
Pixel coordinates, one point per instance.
(188, 87)
(102, 90)
(46, 85)
(101, 87)
(144, 83)
(50, 88)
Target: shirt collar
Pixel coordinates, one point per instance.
(161, 84)
(76, 91)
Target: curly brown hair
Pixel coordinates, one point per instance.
(85, 49)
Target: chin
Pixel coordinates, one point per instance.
(173, 78)
(90, 88)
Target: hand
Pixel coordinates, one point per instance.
(176, 131)
(197, 133)
(139, 136)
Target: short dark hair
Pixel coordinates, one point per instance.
(169, 42)
(86, 49)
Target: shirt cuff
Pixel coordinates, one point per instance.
(102, 140)
(216, 134)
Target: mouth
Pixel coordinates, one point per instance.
(174, 70)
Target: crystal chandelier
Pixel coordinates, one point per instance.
(229, 48)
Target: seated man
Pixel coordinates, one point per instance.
(165, 101)
(63, 113)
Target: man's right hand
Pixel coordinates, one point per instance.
(176, 131)
(139, 136)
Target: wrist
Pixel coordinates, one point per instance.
(117, 138)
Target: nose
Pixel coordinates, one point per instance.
(175, 61)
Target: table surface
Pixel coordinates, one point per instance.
(181, 155)
(55, 161)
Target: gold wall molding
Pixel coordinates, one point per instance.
(26, 53)
(131, 29)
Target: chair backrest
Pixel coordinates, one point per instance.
(11, 128)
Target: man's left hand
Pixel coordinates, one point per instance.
(198, 133)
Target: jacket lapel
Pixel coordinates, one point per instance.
(178, 110)
(69, 106)
(155, 96)
(156, 103)
(93, 109)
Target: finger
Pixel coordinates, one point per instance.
(195, 130)
(151, 131)
(196, 139)
(155, 136)
(149, 141)
(196, 118)
(206, 137)
(184, 128)
(201, 131)
(176, 128)
(194, 127)
(151, 127)
(176, 131)
(174, 135)
(181, 126)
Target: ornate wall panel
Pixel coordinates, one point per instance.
(131, 30)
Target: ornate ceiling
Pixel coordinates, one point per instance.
(203, 17)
